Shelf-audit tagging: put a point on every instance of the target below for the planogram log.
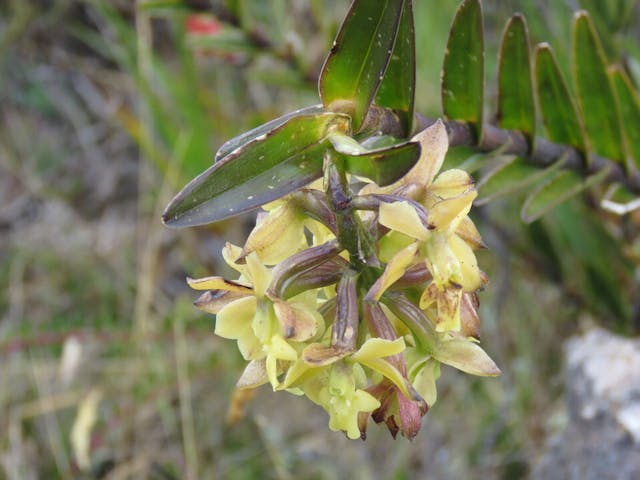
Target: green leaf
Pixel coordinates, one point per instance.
(359, 57)
(397, 90)
(511, 176)
(562, 186)
(629, 102)
(516, 107)
(266, 168)
(559, 113)
(463, 69)
(597, 267)
(595, 93)
(236, 142)
(383, 165)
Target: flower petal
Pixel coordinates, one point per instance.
(434, 143)
(299, 323)
(231, 253)
(254, 375)
(212, 301)
(378, 348)
(467, 356)
(447, 214)
(319, 355)
(425, 381)
(234, 320)
(278, 235)
(281, 349)
(451, 183)
(259, 274)
(470, 277)
(218, 283)
(467, 231)
(403, 218)
(394, 270)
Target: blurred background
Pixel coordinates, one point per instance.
(107, 108)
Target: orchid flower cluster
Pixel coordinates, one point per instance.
(353, 295)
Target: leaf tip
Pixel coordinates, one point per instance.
(580, 14)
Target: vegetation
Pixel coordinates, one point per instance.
(114, 375)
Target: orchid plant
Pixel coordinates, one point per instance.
(359, 279)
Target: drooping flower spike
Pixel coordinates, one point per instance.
(362, 337)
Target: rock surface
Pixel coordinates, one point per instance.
(602, 437)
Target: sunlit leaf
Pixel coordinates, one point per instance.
(264, 169)
(516, 107)
(562, 186)
(397, 90)
(559, 112)
(359, 57)
(595, 93)
(383, 166)
(463, 69)
(629, 102)
(230, 145)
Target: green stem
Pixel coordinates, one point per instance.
(351, 234)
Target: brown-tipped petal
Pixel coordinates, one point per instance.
(319, 355)
(448, 213)
(218, 283)
(391, 424)
(254, 375)
(212, 301)
(298, 324)
(434, 143)
(469, 318)
(363, 421)
(468, 232)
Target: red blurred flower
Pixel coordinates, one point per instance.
(203, 25)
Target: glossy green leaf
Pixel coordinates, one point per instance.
(559, 112)
(463, 69)
(594, 90)
(629, 102)
(397, 90)
(359, 57)
(516, 106)
(562, 186)
(264, 169)
(383, 165)
(511, 176)
(236, 142)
